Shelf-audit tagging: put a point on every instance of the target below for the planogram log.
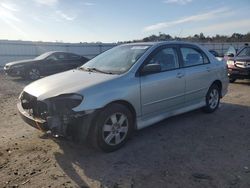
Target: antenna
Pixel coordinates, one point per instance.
(180, 33)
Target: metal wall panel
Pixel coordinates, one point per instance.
(19, 50)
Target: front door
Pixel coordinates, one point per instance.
(163, 91)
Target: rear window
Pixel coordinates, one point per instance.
(193, 57)
(244, 52)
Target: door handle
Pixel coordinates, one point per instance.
(180, 75)
(208, 69)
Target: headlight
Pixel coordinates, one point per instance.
(66, 101)
(230, 62)
(6, 67)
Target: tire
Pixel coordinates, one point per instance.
(112, 128)
(232, 80)
(212, 99)
(33, 74)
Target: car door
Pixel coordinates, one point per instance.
(63, 62)
(74, 61)
(198, 71)
(163, 91)
(50, 64)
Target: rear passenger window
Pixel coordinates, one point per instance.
(193, 57)
(167, 58)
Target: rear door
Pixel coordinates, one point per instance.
(198, 72)
(50, 64)
(56, 62)
(164, 91)
(63, 62)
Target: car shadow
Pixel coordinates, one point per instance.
(21, 81)
(18, 80)
(242, 82)
(168, 153)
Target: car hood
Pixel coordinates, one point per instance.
(245, 58)
(73, 81)
(21, 62)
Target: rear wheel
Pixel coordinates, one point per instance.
(113, 127)
(212, 99)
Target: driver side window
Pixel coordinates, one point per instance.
(166, 58)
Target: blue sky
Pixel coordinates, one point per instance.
(119, 20)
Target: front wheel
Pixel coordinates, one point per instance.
(212, 99)
(33, 74)
(113, 127)
(232, 80)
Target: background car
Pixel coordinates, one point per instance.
(238, 63)
(45, 64)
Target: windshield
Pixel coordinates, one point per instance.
(244, 52)
(117, 60)
(43, 56)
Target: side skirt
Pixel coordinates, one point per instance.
(143, 122)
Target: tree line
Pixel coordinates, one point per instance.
(235, 37)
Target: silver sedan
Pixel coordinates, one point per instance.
(127, 88)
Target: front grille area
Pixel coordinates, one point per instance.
(37, 109)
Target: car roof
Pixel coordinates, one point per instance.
(60, 52)
(161, 43)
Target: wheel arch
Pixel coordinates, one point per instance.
(219, 84)
(128, 105)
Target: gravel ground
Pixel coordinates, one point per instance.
(190, 150)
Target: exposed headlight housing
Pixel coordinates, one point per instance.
(66, 101)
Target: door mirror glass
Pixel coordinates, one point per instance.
(151, 68)
(230, 55)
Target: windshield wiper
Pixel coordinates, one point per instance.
(98, 70)
(82, 68)
(95, 70)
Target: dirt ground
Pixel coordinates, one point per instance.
(191, 150)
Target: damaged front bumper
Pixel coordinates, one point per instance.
(37, 123)
(59, 122)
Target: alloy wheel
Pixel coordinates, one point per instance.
(115, 129)
(213, 98)
(34, 74)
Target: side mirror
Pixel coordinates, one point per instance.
(230, 55)
(150, 69)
